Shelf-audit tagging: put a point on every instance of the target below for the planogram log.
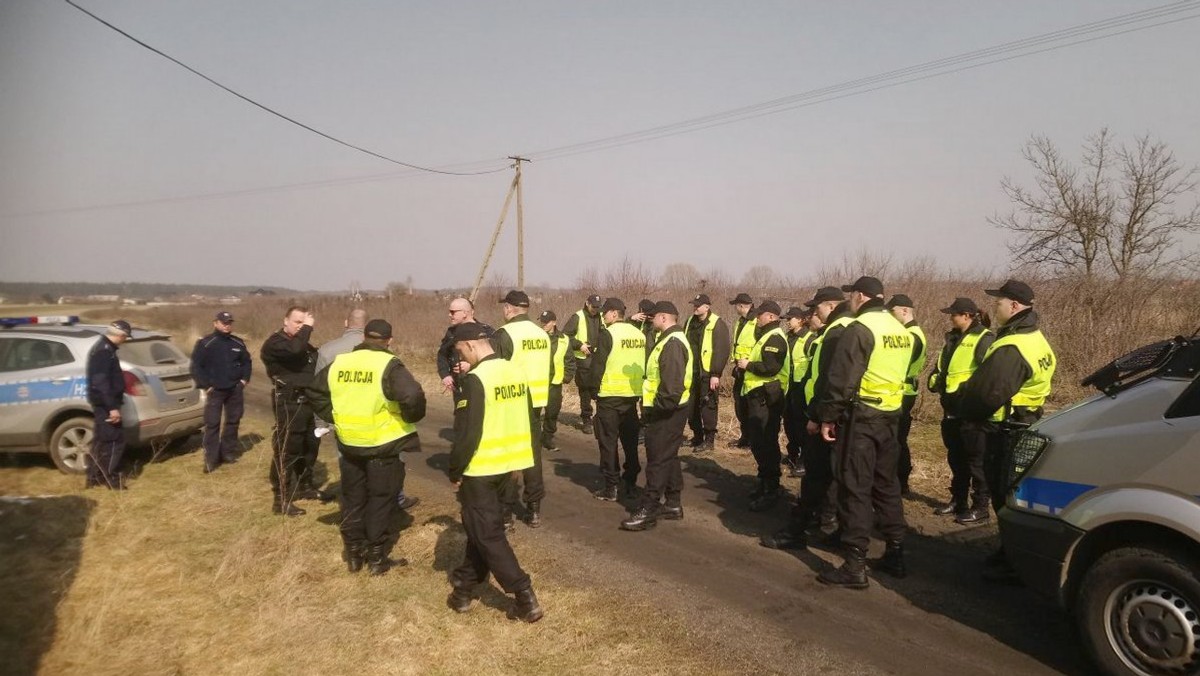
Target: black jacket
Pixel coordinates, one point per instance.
(398, 385)
(830, 337)
(106, 383)
(593, 329)
(290, 362)
(468, 423)
(721, 345)
(447, 356)
(847, 364)
(221, 361)
(953, 338)
(673, 379)
(1000, 376)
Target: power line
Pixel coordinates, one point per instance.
(278, 114)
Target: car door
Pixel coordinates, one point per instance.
(37, 375)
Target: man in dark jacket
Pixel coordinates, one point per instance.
(708, 336)
(374, 403)
(106, 393)
(221, 368)
(764, 382)
(462, 311)
(583, 328)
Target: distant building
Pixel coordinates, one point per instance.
(262, 292)
(103, 298)
(230, 300)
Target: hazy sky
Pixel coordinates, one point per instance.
(91, 120)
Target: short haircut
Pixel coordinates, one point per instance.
(295, 308)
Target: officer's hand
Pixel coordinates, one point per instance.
(714, 383)
(448, 383)
(244, 383)
(585, 348)
(639, 317)
(114, 416)
(743, 363)
(829, 432)
(209, 390)
(463, 367)
(812, 427)
(308, 319)
(457, 485)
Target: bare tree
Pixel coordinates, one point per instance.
(760, 279)
(629, 277)
(679, 276)
(1110, 215)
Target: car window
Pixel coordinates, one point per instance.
(152, 353)
(1188, 403)
(27, 354)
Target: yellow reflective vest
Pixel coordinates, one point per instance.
(362, 415)
(653, 372)
(626, 366)
(800, 355)
(558, 358)
(744, 341)
(918, 362)
(1038, 354)
(506, 444)
(882, 385)
(706, 342)
(814, 362)
(962, 361)
(581, 332)
(752, 381)
(531, 353)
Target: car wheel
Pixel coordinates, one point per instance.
(70, 443)
(1139, 613)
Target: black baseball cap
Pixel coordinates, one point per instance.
(962, 306)
(701, 299)
(826, 293)
(378, 328)
(645, 306)
(1013, 290)
(869, 286)
(594, 300)
(122, 326)
(768, 306)
(796, 313)
(547, 316)
(516, 298)
(471, 331)
(899, 300)
(224, 317)
(742, 298)
(613, 303)
(665, 306)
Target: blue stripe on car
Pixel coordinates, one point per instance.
(1047, 495)
(32, 391)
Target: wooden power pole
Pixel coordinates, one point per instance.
(515, 188)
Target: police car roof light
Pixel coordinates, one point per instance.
(59, 320)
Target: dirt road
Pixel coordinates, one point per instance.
(765, 607)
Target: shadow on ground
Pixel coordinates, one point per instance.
(40, 544)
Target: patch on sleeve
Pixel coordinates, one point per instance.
(767, 348)
(461, 404)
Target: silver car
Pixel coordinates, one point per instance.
(43, 389)
(1104, 511)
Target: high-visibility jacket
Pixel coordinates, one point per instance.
(800, 355)
(581, 332)
(558, 358)
(814, 362)
(962, 361)
(625, 368)
(506, 444)
(1038, 354)
(752, 381)
(531, 353)
(362, 415)
(743, 340)
(918, 361)
(706, 342)
(653, 373)
(882, 385)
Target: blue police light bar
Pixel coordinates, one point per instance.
(59, 320)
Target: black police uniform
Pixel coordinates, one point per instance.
(447, 358)
(221, 363)
(795, 422)
(617, 423)
(106, 392)
(554, 396)
(739, 376)
(373, 476)
(764, 413)
(703, 419)
(535, 484)
(583, 367)
(904, 464)
(965, 441)
(290, 362)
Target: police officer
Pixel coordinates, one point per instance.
(290, 360)
(643, 319)
(764, 385)
(493, 439)
(619, 368)
(562, 370)
(221, 367)
(666, 394)
(743, 341)
(967, 343)
(583, 327)
(860, 410)
(1008, 391)
(901, 307)
(708, 336)
(800, 337)
(106, 394)
(374, 403)
(521, 341)
(462, 311)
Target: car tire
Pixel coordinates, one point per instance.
(1138, 612)
(70, 443)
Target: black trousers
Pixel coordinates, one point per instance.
(795, 420)
(739, 401)
(532, 478)
(103, 464)
(587, 392)
(221, 443)
(617, 422)
(293, 445)
(703, 417)
(904, 464)
(488, 551)
(966, 445)
(869, 488)
(994, 464)
(764, 411)
(818, 488)
(664, 475)
(370, 487)
(550, 415)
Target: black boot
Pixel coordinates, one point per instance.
(586, 426)
(758, 491)
(533, 513)
(892, 561)
(697, 439)
(548, 443)
(288, 509)
(644, 518)
(510, 523)
(671, 512)
(710, 442)
(459, 599)
(852, 574)
(791, 537)
(607, 494)
(953, 507)
(976, 515)
(631, 489)
(526, 607)
(768, 499)
(378, 561)
(354, 557)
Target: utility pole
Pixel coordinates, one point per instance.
(515, 188)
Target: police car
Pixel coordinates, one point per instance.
(1104, 511)
(43, 389)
